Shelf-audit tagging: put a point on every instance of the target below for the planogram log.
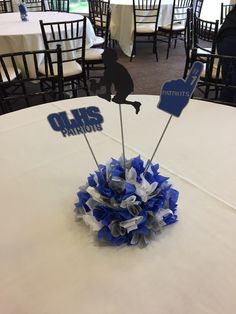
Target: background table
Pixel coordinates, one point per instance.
(15, 4)
(16, 35)
(50, 264)
(122, 21)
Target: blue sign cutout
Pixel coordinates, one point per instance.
(175, 94)
(84, 120)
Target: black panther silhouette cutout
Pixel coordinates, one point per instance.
(115, 74)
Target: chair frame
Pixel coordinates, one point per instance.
(64, 33)
(179, 16)
(98, 9)
(198, 7)
(56, 5)
(188, 40)
(6, 6)
(203, 32)
(224, 11)
(213, 81)
(35, 5)
(102, 30)
(206, 31)
(140, 9)
(16, 86)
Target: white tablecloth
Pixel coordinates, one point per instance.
(16, 35)
(50, 264)
(122, 21)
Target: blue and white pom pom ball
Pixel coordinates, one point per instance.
(126, 207)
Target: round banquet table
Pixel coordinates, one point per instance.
(16, 35)
(122, 22)
(51, 264)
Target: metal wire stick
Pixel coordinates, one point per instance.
(122, 134)
(158, 144)
(92, 153)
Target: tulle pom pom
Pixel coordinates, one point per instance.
(126, 206)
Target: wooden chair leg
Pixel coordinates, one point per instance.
(85, 85)
(133, 50)
(186, 68)
(175, 41)
(155, 47)
(168, 47)
(87, 70)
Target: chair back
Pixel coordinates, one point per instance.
(188, 40)
(146, 14)
(205, 32)
(179, 12)
(22, 81)
(70, 35)
(100, 14)
(34, 5)
(188, 36)
(198, 7)
(6, 6)
(56, 5)
(214, 79)
(224, 11)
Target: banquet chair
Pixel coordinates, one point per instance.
(212, 81)
(205, 32)
(6, 6)
(22, 81)
(98, 11)
(198, 7)
(176, 28)
(100, 16)
(34, 5)
(204, 40)
(145, 14)
(101, 20)
(224, 11)
(71, 36)
(56, 5)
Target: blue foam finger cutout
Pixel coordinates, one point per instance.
(175, 94)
